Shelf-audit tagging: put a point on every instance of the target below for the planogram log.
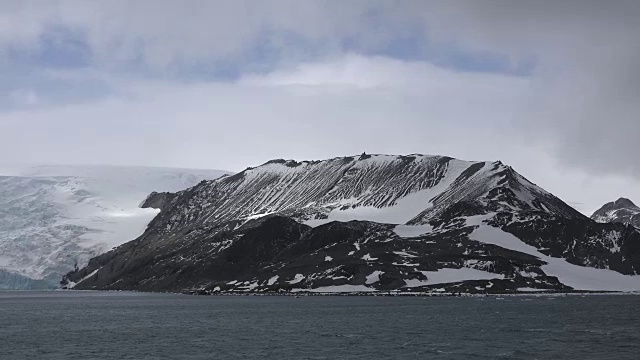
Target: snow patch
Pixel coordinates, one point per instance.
(368, 257)
(338, 289)
(409, 231)
(528, 289)
(448, 275)
(374, 277)
(296, 279)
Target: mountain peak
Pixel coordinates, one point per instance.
(622, 210)
(624, 203)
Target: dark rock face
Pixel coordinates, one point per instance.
(270, 254)
(620, 211)
(272, 229)
(159, 201)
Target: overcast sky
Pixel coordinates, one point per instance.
(551, 88)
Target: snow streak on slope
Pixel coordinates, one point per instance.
(52, 217)
(380, 188)
(401, 210)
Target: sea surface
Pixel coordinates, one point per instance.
(123, 325)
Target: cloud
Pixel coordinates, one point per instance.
(23, 97)
(232, 83)
(587, 59)
(332, 108)
(313, 111)
(162, 34)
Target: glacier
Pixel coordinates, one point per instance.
(56, 217)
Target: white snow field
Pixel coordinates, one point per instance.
(52, 217)
(578, 277)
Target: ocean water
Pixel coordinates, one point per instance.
(121, 325)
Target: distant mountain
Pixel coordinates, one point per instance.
(620, 211)
(55, 217)
(369, 223)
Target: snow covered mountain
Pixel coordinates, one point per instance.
(369, 223)
(620, 211)
(54, 217)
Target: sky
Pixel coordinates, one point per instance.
(551, 88)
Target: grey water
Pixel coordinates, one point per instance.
(123, 325)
